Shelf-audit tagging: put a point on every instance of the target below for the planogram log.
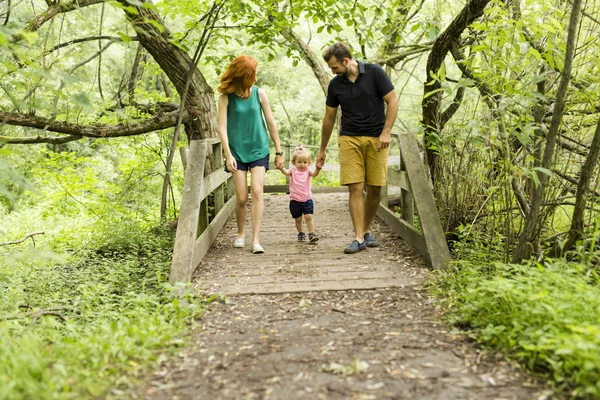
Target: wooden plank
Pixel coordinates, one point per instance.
(187, 226)
(435, 241)
(272, 267)
(217, 165)
(407, 203)
(406, 231)
(398, 178)
(213, 181)
(202, 217)
(299, 278)
(293, 287)
(206, 239)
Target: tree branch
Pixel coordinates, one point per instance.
(39, 139)
(88, 39)
(23, 239)
(159, 122)
(51, 12)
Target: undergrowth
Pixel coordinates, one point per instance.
(546, 317)
(76, 326)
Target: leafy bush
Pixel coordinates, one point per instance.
(73, 327)
(545, 317)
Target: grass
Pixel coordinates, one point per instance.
(74, 327)
(546, 317)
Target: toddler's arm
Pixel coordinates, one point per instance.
(316, 171)
(284, 171)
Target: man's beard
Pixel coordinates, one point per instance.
(345, 73)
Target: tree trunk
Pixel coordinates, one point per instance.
(576, 230)
(531, 231)
(432, 93)
(135, 70)
(199, 101)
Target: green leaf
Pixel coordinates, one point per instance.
(544, 171)
(433, 92)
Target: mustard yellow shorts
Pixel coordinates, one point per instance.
(361, 162)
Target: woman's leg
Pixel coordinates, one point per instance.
(257, 182)
(240, 182)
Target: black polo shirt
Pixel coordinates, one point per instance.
(363, 112)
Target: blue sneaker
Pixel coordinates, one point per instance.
(355, 247)
(370, 240)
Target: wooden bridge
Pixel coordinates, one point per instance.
(208, 202)
(305, 321)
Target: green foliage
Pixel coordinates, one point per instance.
(544, 316)
(72, 327)
(87, 307)
(12, 183)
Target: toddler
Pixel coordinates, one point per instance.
(301, 203)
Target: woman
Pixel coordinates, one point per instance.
(242, 106)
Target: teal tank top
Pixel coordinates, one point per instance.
(246, 130)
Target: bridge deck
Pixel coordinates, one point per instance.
(291, 266)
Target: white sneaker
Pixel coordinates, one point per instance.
(239, 242)
(257, 249)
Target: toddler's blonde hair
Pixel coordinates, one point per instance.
(301, 151)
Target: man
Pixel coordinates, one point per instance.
(361, 90)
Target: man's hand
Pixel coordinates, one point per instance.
(321, 159)
(384, 141)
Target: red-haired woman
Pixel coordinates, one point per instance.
(242, 106)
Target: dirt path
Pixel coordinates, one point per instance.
(380, 343)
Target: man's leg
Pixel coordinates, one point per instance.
(357, 209)
(371, 206)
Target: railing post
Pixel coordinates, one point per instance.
(288, 157)
(435, 240)
(406, 199)
(187, 225)
(219, 193)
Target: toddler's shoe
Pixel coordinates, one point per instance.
(312, 238)
(301, 236)
(239, 242)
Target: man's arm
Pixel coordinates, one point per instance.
(390, 116)
(326, 129)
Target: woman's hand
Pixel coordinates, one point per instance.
(278, 162)
(231, 164)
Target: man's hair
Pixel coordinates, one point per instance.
(339, 51)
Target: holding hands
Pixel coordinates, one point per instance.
(321, 159)
(278, 161)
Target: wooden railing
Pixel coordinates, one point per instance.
(207, 202)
